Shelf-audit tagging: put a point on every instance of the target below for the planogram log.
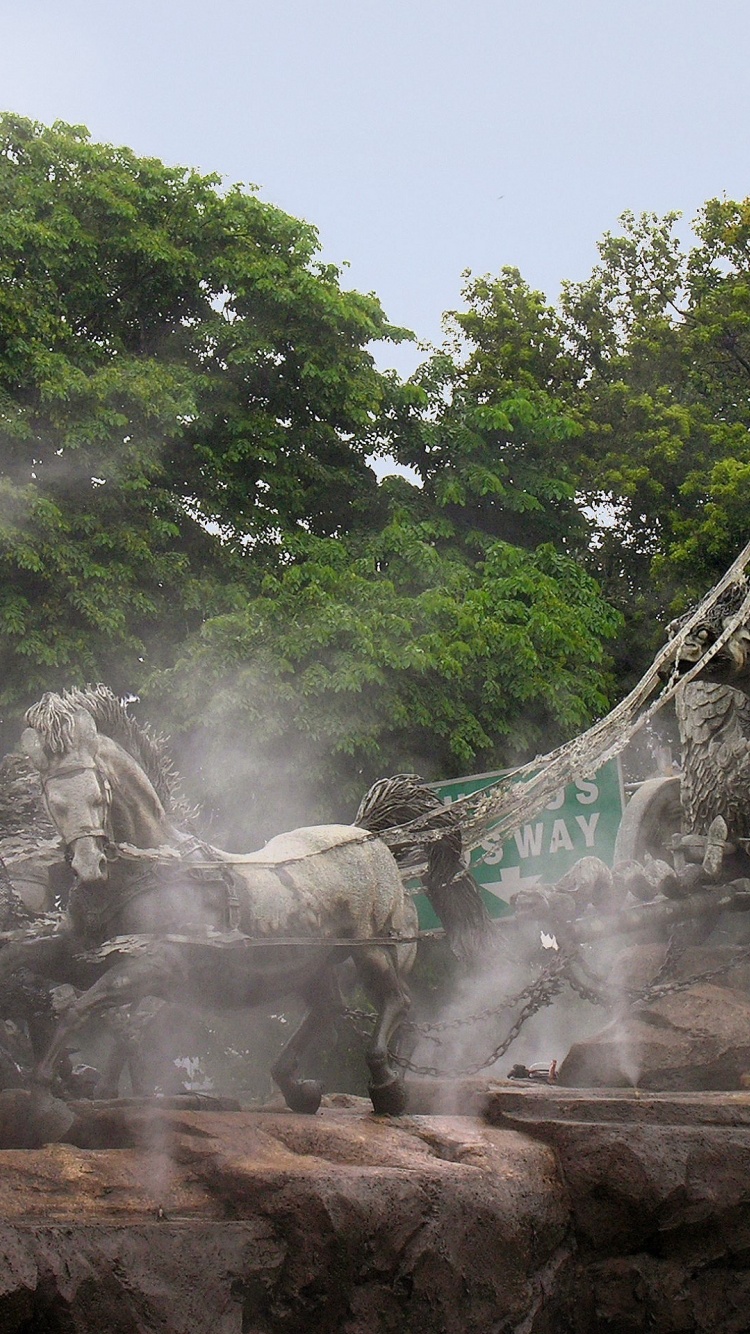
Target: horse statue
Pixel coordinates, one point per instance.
(286, 916)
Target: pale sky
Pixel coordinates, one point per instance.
(421, 137)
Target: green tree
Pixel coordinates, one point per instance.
(614, 425)
(381, 655)
(661, 336)
(187, 406)
(182, 383)
(497, 439)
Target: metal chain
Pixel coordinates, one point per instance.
(598, 992)
(655, 989)
(539, 994)
(675, 951)
(593, 989)
(536, 996)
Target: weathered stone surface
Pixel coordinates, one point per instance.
(559, 1210)
(520, 1107)
(659, 1191)
(694, 1039)
(264, 1222)
(663, 1223)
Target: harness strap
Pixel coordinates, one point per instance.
(148, 883)
(87, 831)
(233, 903)
(193, 845)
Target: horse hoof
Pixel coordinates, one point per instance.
(305, 1096)
(389, 1099)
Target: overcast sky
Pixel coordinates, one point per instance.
(421, 137)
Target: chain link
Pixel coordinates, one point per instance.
(675, 951)
(568, 968)
(534, 997)
(655, 989)
(593, 989)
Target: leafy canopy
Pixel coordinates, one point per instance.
(179, 376)
(187, 407)
(496, 442)
(661, 335)
(348, 666)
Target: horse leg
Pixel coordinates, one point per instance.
(304, 1095)
(377, 968)
(31, 971)
(128, 980)
(108, 1084)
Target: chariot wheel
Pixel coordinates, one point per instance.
(651, 817)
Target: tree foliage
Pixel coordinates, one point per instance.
(352, 664)
(188, 404)
(614, 424)
(662, 340)
(179, 376)
(497, 439)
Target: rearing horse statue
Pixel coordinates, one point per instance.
(293, 907)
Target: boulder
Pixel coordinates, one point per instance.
(693, 1039)
(223, 1222)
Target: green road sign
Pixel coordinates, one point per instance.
(581, 820)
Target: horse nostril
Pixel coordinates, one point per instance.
(102, 865)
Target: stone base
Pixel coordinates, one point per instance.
(547, 1210)
(659, 1192)
(223, 1222)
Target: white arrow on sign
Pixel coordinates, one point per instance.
(510, 882)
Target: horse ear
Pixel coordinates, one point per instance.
(31, 745)
(85, 735)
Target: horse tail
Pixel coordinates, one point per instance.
(425, 835)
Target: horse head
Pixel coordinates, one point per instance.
(76, 792)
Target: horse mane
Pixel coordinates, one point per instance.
(53, 717)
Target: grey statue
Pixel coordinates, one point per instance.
(286, 915)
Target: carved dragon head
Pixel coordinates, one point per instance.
(730, 665)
